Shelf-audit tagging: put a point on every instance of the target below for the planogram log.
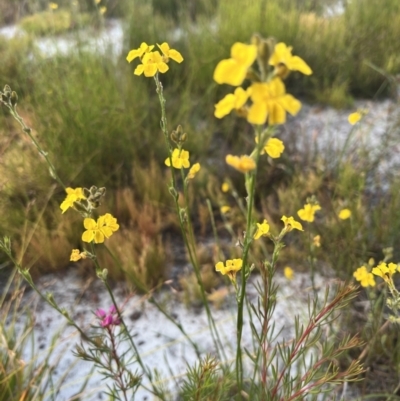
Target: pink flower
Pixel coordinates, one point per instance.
(108, 319)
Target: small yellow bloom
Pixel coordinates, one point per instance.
(144, 48)
(365, 278)
(76, 255)
(151, 64)
(282, 57)
(317, 241)
(170, 53)
(105, 226)
(97, 1)
(233, 71)
(385, 271)
(308, 212)
(193, 171)
(262, 229)
(270, 101)
(73, 195)
(354, 118)
(274, 148)
(288, 273)
(231, 267)
(344, 214)
(290, 224)
(244, 164)
(53, 6)
(232, 101)
(225, 187)
(103, 10)
(180, 158)
(225, 209)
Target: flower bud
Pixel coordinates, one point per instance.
(13, 98)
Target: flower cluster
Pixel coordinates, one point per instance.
(76, 255)
(382, 270)
(110, 318)
(263, 101)
(365, 277)
(98, 230)
(269, 100)
(180, 158)
(244, 163)
(153, 62)
(385, 271)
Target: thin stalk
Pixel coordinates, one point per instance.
(211, 321)
(244, 271)
(188, 243)
(125, 328)
(42, 152)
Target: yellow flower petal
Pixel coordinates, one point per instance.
(274, 147)
(229, 72)
(354, 118)
(290, 224)
(262, 230)
(288, 273)
(225, 209)
(243, 164)
(344, 214)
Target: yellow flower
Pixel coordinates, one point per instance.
(243, 164)
(105, 226)
(344, 214)
(73, 195)
(76, 255)
(274, 148)
(97, 1)
(262, 229)
(290, 224)
(283, 61)
(231, 267)
(288, 273)
(180, 158)
(53, 6)
(225, 209)
(103, 10)
(151, 63)
(170, 53)
(233, 71)
(317, 241)
(355, 117)
(365, 278)
(307, 213)
(271, 102)
(225, 187)
(193, 171)
(144, 48)
(385, 271)
(232, 101)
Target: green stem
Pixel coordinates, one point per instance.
(189, 244)
(244, 272)
(28, 131)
